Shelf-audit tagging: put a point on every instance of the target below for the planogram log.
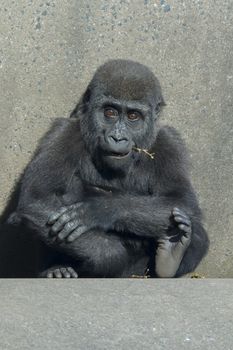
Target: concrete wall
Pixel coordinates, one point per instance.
(50, 49)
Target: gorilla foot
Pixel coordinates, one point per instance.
(59, 272)
(171, 249)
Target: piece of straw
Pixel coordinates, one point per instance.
(141, 150)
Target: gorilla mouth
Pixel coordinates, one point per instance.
(118, 155)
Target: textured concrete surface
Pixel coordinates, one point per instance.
(50, 49)
(116, 314)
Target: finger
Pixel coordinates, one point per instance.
(60, 223)
(65, 272)
(76, 233)
(72, 272)
(184, 228)
(180, 212)
(50, 275)
(175, 209)
(186, 238)
(56, 215)
(182, 219)
(68, 228)
(57, 273)
(53, 218)
(161, 240)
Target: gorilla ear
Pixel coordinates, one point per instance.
(162, 102)
(86, 96)
(159, 105)
(81, 107)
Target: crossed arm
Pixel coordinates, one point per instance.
(181, 238)
(144, 216)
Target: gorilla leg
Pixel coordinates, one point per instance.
(100, 254)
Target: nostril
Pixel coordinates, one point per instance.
(118, 139)
(113, 138)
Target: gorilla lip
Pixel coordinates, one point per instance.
(118, 155)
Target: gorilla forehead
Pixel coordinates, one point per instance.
(124, 79)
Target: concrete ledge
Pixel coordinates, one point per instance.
(116, 314)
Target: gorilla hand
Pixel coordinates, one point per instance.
(72, 221)
(171, 249)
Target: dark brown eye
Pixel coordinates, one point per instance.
(133, 116)
(110, 112)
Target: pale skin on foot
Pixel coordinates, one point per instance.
(171, 249)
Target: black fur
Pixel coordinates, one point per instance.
(125, 203)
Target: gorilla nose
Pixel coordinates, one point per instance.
(118, 144)
(119, 139)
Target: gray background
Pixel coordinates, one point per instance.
(50, 49)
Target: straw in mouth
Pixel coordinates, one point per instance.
(141, 150)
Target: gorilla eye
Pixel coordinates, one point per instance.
(133, 116)
(110, 113)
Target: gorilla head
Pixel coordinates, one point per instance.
(118, 112)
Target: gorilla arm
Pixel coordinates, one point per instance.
(46, 178)
(145, 216)
(182, 240)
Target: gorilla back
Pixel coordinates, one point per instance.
(101, 189)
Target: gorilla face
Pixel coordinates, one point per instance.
(120, 126)
(119, 110)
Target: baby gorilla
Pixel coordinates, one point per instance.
(108, 191)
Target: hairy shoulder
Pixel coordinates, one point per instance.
(170, 136)
(64, 132)
(170, 149)
(56, 156)
(169, 140)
